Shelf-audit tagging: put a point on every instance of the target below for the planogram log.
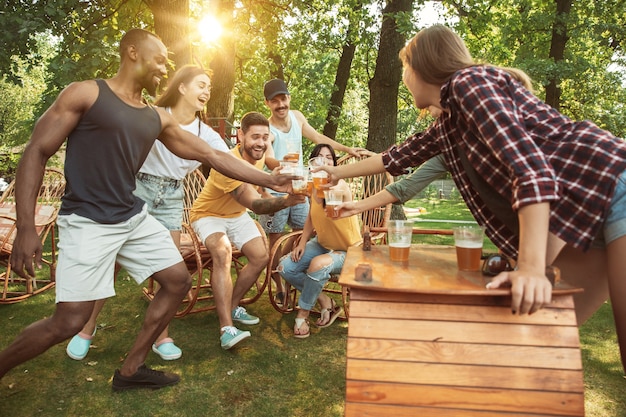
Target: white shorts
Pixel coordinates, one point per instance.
(239, 230)
(88, 251)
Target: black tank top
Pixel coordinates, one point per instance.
(104, 153)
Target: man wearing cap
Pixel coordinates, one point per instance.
(290, 125)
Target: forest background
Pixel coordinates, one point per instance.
(338, 57)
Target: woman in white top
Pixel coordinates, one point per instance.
(159, 184)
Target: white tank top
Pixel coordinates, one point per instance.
(280, 138)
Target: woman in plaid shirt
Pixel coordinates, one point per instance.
(563, 183)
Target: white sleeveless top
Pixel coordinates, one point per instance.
(280, 138)
(163, 163)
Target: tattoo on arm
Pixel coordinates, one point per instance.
(268, 205)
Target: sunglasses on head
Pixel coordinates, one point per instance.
(495, 263)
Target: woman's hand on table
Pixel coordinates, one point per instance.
(530, 290)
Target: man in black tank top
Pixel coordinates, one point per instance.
(109, 130)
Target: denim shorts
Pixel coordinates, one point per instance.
(163, 197)
(295, 216)
(615, 223)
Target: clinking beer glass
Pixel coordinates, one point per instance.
(300, 186)
(333, 199)
(293, 150)
(319, 177)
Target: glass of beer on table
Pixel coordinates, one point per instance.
(399, 236)
(468, 240)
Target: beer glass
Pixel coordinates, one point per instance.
(468, 240)
(399, 236)
(333, 199)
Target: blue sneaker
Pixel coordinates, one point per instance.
(79, 346)
(232, 336)
(167, 350)
(241, 315)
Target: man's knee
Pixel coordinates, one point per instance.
(70, 317)
(260, 259)
(175, 279)
(221, 252)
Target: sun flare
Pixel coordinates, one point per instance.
(209, 28)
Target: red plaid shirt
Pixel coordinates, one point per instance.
(527, 151)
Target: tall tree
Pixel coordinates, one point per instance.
(557, 50)
(171, 24)
(383, 104)
(344, 66)
(221, 103)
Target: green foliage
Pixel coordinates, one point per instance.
(85, 37)
(302, 41)
(18, 103)
(522, 38)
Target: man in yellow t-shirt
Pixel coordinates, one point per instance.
(220, 220)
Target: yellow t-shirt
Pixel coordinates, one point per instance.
(332, 234)
(215, 199)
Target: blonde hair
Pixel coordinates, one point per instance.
(436, 52)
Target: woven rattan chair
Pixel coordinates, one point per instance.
(198, 259)
(14, 287)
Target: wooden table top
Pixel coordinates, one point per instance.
(431, 269)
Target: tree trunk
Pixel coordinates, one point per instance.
(278, 68)
(343, 74)
(221, 103)
(339, 90)
(557, 50)
(383, 104)
(171, 23)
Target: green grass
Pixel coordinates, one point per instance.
(270, 374)
(438, 210)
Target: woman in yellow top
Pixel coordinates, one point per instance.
(320, 252)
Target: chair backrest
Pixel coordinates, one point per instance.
(48, 203)
(192, 185)
(363, 187)
(50, 193)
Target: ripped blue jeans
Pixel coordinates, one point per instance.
(310, 284)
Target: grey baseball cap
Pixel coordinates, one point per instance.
(274, 87)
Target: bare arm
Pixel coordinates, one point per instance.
(49, 133)
(248, 197)
(369, 166)
(381, 198)
(270, 161)
(316, 137)
(188, 146)
(530, 289)
(307, 233)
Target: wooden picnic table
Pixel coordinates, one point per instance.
(425, 339)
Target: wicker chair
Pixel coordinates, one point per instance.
(15, 288)
(198, 259)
